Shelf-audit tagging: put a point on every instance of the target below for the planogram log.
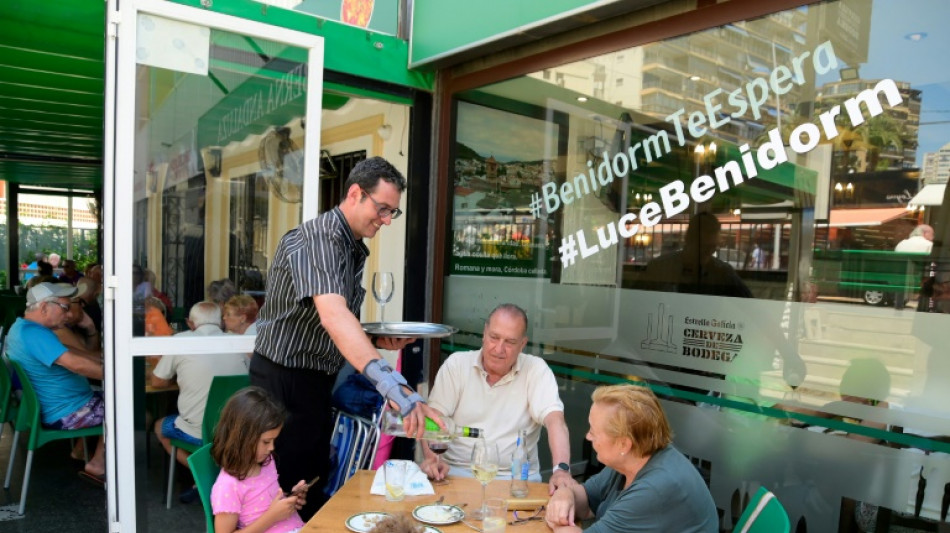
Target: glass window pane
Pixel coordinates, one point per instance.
(219, 165)
(750, 219)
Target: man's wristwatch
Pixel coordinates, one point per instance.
(561, 466)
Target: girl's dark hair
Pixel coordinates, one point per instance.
(249, 413)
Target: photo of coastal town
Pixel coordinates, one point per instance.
(496, 170)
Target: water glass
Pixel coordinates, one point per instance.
(496, 515)
(394, 472)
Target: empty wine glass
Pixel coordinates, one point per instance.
(485, 468)
(383, 292)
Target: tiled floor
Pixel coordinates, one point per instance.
(59, 501)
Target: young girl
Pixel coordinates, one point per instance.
(246, 495)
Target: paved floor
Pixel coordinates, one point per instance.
(59, 500)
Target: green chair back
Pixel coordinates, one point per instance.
(764, 514)
(7, 409)
(205, 472)
(222, 388)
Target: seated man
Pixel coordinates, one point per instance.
(501, 391)
(58, 374)
(194, 374)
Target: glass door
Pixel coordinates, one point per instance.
(211, 126)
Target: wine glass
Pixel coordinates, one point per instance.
(438, 447)
(485, 467)
(383, 292)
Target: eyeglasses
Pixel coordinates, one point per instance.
(62, 306)
(383, 211)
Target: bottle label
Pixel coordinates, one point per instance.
(524, 470)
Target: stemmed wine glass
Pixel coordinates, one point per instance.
(438, 447)
(485, 467)
(383, 292)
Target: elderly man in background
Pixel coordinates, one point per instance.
(58, 374)
(194, 374)
(920, 240)
(502, 391)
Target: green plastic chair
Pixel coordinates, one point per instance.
(764, 514)
(222, 388)
(8, 410)
(28, 419)
(205, 472)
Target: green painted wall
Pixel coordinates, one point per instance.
(441, 26)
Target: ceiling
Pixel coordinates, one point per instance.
(51, 92)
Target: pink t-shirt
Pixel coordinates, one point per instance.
(250, 498)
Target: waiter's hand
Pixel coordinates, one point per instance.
(393, 343)
(415, 422)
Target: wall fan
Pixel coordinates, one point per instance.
(282, 165)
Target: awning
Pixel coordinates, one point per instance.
(929, 195)
(841, 218)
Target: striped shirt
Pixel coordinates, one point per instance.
(321, 256)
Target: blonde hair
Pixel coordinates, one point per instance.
(637, 416)
(243, 305)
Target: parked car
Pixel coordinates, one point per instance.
(878, 277)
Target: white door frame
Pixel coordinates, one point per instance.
(118, 166)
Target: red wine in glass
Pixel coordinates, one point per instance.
(438, 447)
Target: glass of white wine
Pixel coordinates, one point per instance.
(383, 292)
(485, 467)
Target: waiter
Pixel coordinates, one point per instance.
(308, 327)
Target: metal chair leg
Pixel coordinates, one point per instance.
(26, 482)
(16, 439)
(171, 477)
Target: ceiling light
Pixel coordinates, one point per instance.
(916, 36)
(695, 78)
(582, 99)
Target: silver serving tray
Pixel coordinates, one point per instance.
(418, 330)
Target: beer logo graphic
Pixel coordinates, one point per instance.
(659, 332)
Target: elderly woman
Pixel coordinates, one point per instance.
(240, 315)
(646, 485)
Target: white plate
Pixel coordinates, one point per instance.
(439, 515)
(363, 522)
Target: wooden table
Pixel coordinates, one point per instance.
(354, 497)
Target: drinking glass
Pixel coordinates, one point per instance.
(382, 291)
(438, 447)
(485, 467)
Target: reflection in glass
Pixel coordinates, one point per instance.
(219, 166)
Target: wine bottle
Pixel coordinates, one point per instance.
(392, 424)
(519, 467)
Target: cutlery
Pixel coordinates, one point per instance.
(440, 500)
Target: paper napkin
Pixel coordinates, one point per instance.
(417, 483)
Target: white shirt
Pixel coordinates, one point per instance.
(518, 401)
(195, 373)
(917, 243)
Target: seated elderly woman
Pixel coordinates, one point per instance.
(646, 485)
(240, 315)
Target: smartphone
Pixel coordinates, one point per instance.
(305, 487)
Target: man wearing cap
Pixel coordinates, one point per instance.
(58, 374)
